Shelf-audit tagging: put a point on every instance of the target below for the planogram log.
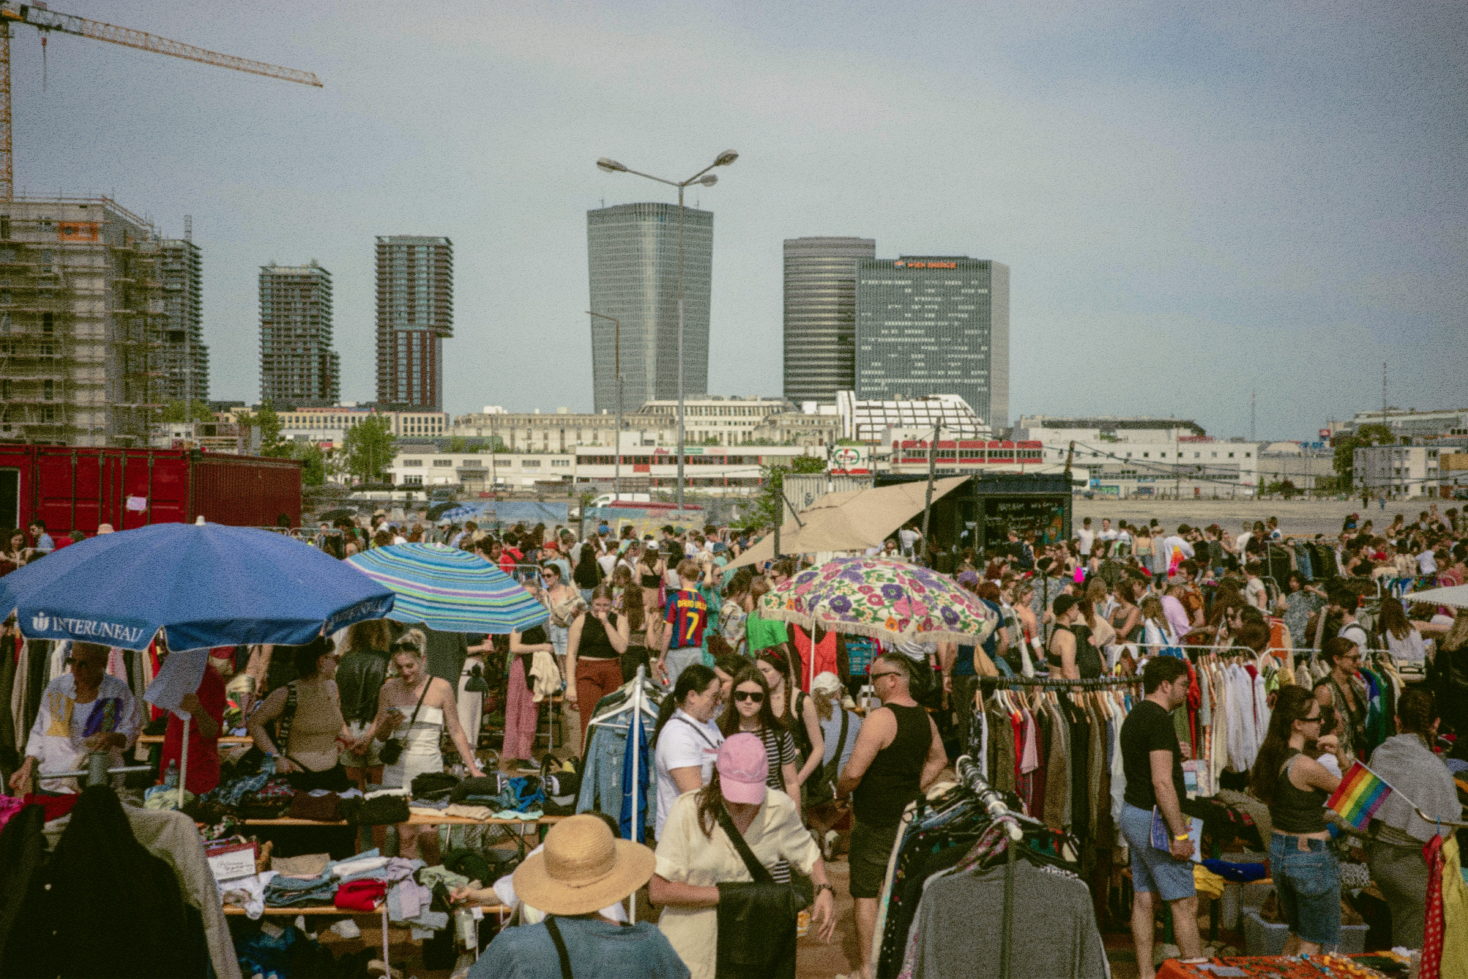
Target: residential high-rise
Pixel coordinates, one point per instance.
(185, 357)
(297, 363)
(632, 252)
(415, 312)
(81, 322)
(934, 325)
(820, 315)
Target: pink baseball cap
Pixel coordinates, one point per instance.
(743, 769)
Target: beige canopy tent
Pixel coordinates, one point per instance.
(1455, 596)
(849, 521)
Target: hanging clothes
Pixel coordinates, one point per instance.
(822, 651)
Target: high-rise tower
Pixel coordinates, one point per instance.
(820, 315)
(297, 363)
(934, 325)
(185, 357)
(415, 313)
(632, 252)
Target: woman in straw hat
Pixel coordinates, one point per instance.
(581, 869)
(695, 854)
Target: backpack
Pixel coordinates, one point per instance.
(1088, 657)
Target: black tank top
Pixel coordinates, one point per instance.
(1296, 810)
(594, 641)
(894, 778)
(1053, 658)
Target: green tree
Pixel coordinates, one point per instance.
(272, 442)
(176, 411)
(313, 470)
(1284, 488)
(368, 450)
(1344, 462)
(767, 509)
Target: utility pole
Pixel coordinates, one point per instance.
(932, 463)
(1252, 395)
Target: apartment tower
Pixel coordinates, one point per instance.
(185, 356)
(297, 363)
(934, 325)
(820, 316)
(632, 252)
(415, 313)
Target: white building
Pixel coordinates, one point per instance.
(1105, 428)
(423, 467)
(717, 420)
(1396, 470)
(719, 469)
(1416, 424)
(879, 421)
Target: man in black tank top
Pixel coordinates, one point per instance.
(897, 754)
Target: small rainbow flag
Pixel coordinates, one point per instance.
(1358, 796)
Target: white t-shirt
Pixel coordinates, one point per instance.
(1108, 534)
(1426, 563)
(908, 538)
(1256, 594)
(1086, 538)
(683, 743)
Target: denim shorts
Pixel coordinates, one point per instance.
(1153, 870)
(1309, 886)
(681, 659)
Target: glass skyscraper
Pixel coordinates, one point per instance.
(632, 258)
(820, 315)
(934, 325)
(415, 312)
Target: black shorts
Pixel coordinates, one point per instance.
(871, 847)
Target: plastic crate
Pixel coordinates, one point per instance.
(1264, 938)
(859, 655)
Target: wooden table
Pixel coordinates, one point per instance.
(542, 824)
(235, 909)
(224, 739)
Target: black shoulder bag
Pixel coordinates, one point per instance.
(392, 748)
(757, 920)
(822, 790)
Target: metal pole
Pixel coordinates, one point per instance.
(680, 350)
(617, 361)
(928, 503)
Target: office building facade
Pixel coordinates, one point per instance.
(632, 257)
(820, 315)
(415, 314)
(934, 325)
(298, 365)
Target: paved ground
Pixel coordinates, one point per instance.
(1295, 516)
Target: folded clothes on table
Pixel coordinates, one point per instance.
(360, 895)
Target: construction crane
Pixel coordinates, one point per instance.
(38, 16)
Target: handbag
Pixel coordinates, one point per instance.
(392, 748)
(820, 791)
(757, 930)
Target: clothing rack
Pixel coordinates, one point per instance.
(969, 774)
(635, 706)
(1094, 683)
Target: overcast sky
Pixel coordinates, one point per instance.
(1195, 200)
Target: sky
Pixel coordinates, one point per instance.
(1200, 204)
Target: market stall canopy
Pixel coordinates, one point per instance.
(203, 585)
(1454, 597)
(450, 590)
(849, 521)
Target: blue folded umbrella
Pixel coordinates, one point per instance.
(203, 585)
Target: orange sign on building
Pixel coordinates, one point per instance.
(78, 230)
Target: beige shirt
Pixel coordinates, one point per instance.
(687, 856)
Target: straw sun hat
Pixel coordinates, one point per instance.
(583, 868)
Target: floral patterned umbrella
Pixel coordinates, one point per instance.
(887, 599)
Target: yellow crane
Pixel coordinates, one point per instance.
(37, 15)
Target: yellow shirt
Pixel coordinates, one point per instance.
(685, 855)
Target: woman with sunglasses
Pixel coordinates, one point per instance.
(1295, 787)
(752, 715)
(796, 714)
(566, 606)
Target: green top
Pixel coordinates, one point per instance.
(764, 633)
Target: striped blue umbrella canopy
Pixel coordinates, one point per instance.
(450, 590)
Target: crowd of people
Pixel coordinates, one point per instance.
(756, 763)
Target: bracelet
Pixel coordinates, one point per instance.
(825, 887)
(1180, 837)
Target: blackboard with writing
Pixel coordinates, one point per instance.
(1044, 516)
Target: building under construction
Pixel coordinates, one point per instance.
(87, 351)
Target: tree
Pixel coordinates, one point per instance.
(1344, 462)
(313, 470)
(368, 450)
(767, 507)
(176, 411)
(1284, 488)
(460, 444)
(272, 443)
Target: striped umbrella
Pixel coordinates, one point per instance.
(450, 590)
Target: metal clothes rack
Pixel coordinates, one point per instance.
(969, 774)
(635, 706)
(1094, 683)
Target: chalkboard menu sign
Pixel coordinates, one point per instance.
(1044, 516)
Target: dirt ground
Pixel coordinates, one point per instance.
(1295, 516)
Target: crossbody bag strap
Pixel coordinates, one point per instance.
(412, 720)
(283, 726)
(756, 869)
(699, 731)
(555, 934)
(840, 744)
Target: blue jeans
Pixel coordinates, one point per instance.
(1309, 884)
(1153, 870)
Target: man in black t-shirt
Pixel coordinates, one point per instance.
(1151, 761)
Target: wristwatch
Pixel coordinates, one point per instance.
(825, 887)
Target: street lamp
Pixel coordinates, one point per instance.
(706, 179)
(617, 441)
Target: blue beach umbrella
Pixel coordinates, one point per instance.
(203, 585)
(450, 590)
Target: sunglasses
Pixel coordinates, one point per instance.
(878, 676)
(757, 696)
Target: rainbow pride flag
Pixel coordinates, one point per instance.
(1359, 795)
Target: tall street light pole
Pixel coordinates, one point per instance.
(617, 442)
(724, 159)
